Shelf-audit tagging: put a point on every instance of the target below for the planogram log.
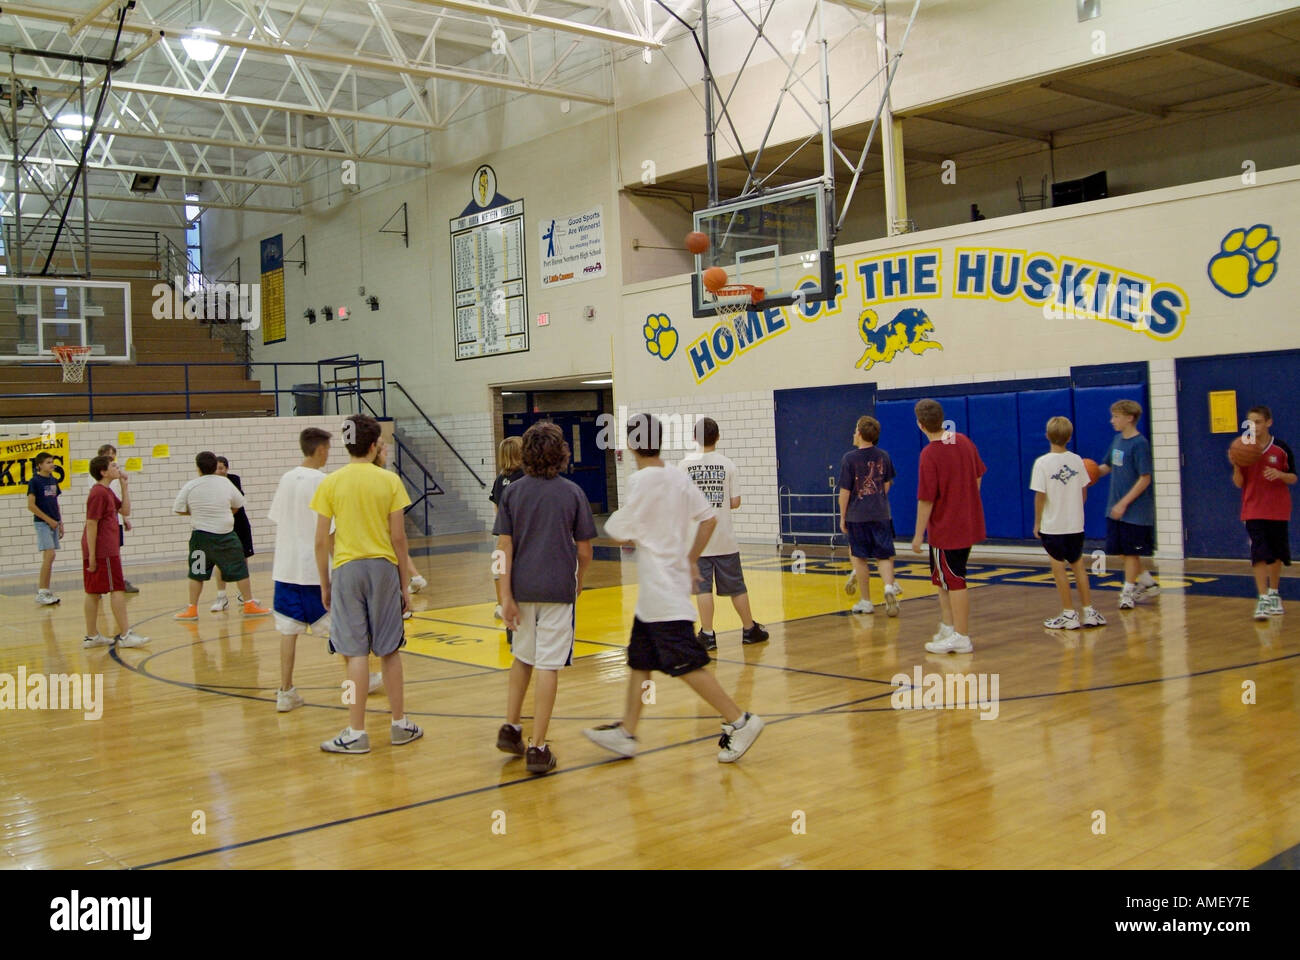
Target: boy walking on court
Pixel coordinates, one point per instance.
(719, 481)
(948, 503)
(1131, 503)
(365, 594)
(101, 555)
(660, 513)
(1060, 485)
(210, 502)
(544, 530)
(297, 603)
(1266, 511)
(866, 474)
(43, 502)
(110, 451)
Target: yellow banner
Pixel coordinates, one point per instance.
(16, 467)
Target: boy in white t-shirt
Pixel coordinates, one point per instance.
(297, 603)
(1060, 482)
(717, 478)
(660, 514)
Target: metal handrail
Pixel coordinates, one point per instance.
(421, 412)
(429, 487)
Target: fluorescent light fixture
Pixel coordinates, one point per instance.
(74, 120)
(507, 393)
(198, 46)
(598, 381)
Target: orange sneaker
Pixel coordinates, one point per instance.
(252, 609)
(189, 613)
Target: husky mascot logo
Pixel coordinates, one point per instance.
(910, 329)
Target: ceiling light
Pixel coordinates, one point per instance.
(198, 46)
(598, 381)
(74, 120)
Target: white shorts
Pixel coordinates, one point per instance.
(292, 628)
(545, 635)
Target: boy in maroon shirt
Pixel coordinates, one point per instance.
(1266, 511)
(948, 502)
(101, 555)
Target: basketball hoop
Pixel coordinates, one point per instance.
(73, 360)
(736, 298)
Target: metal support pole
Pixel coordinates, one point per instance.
(85, 177)
(19, 268)
(828, 135)
(710, 158)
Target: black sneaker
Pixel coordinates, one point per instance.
(510, 740)
(755, 634)
(129, 587)
(539, 761)
(708, 640)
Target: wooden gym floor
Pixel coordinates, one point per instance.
(1125, 746)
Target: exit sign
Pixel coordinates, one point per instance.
(543, 319)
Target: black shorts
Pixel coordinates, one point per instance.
(1129, 539)
(1270, 541)
(948, 567)
(873, 540)
(725, 568)
(1065, 547)
(668, 646)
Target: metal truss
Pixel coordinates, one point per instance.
(295, 87)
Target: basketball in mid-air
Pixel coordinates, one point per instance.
(715, 278)
(1093, 473)
(1243, 454)
(697, 242)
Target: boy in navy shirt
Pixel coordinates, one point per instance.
(43, 502)
(866, 474)
(1131, 503)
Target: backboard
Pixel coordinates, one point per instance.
(37, 314)
(779, 240)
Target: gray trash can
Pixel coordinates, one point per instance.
(308, 400)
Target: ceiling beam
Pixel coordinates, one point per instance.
(1106, 97)
(203, 204)
(159, 171)
(988, 126)
(545, 23)
(79, 24)
(1242, 65)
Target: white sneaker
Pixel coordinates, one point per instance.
(418, 583)
(851, 584)
(376, 683)
(1127, 598)
(1146, 590)
(407, 614)
(613, 738)
(131, 639)
(945, 631)
(1065, 620)
(863, 606)
(496, 614)
(953, 643)
(1091, 618)
(735, 741)
(286, 700)
(46, 599)
(1263, 608)
(1275, 603)
(98, 640)
(891, 599)
(219, 605)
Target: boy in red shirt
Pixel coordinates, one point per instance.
(948, 502)
(101, 555)
(1266, 511)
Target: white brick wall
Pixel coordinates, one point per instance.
(259, 449)
(1167, 478)
(472, 436)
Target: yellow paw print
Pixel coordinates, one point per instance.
(660, 337)
(1247, 259)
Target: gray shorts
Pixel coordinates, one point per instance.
(726, 569)
(366, 608)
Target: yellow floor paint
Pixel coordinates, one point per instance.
(469, 634)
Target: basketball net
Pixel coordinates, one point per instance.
(73, 360)
(737, 298)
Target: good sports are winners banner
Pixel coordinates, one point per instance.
(16, 461)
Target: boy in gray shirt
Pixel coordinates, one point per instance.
(544, 530)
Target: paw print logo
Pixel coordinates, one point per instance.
(1247, 259)
(660, 337)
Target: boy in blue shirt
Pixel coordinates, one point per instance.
(866, 474)
(1131, 504)
(43, 502)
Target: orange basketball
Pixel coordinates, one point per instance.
(715, 278)
(1093, 473)
(697, 242)
(1244, 454)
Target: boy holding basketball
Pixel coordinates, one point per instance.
(949, 505)
(364, 593)
(1131, 503)
(544, 531)
(718, 480)
(866, 474)
(1060, 484)
(1266, 510)
(662, 507)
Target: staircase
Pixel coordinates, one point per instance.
(448, 512)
